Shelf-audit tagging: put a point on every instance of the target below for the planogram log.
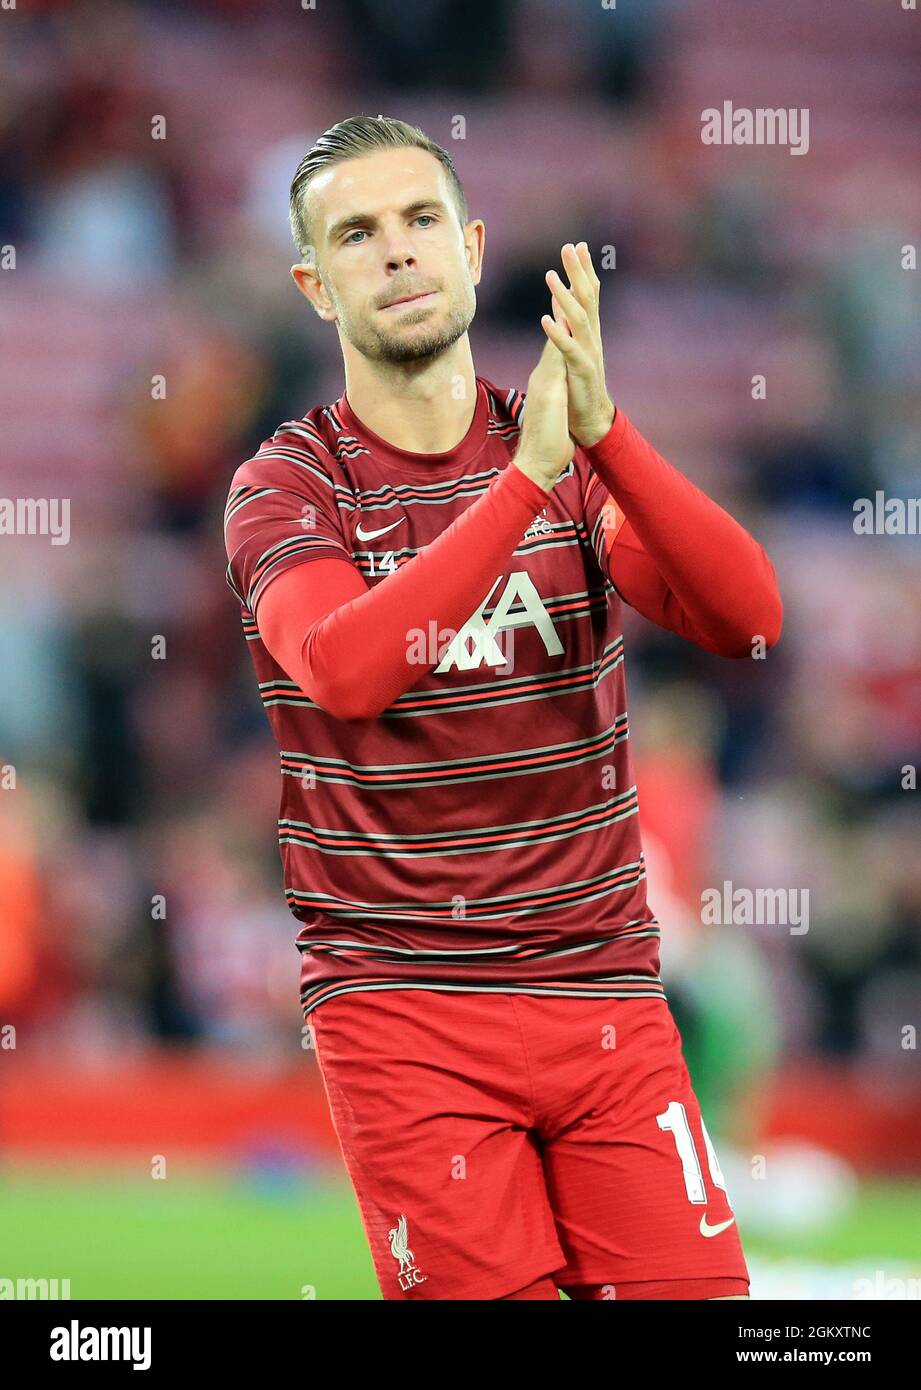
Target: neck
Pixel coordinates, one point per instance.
(425, 407)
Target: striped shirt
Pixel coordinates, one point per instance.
(482, 833)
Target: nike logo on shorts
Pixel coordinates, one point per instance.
(706, 1230)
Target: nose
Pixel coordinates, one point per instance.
(400, 259)
(398, 249)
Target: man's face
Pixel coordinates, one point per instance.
(386, 229)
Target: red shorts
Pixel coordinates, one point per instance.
(493, 1139)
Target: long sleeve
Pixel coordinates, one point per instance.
(677, 556)
(348, 646)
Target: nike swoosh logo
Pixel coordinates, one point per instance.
(373, 535)
(706, 1230)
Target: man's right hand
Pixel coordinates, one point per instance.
(545, 447)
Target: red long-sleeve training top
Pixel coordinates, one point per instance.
(438, 645)
(672, 553)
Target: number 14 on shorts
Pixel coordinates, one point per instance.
(674, 1119)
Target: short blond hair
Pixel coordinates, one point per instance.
(349, 139)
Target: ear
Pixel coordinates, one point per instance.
(474, 243)
(307, 278)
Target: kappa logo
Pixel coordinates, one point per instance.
(483, 634)
(407, 1274)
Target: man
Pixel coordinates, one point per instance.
(432, 579)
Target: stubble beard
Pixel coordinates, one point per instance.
(399, 348)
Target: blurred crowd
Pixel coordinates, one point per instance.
(153, 338)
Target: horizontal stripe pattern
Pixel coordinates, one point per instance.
(528, 903)
(473, 955)
(455, 771)
(439, 843)
(607, 987)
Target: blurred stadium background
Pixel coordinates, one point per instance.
(141, 1041)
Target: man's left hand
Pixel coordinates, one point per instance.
(575, 328)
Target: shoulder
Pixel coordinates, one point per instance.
(299, 457)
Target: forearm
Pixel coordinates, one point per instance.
(715, 569)
(357, 659)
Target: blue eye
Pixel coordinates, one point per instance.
(348, 239)
(425, 217)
